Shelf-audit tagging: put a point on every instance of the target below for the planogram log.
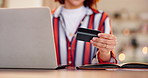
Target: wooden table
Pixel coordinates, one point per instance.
(20, 73)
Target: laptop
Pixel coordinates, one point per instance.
(26, 39)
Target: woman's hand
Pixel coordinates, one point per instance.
(105, 43)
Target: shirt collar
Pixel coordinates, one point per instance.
(89, 11)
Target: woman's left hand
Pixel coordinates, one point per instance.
(105, 42)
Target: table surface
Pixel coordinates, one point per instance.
(64, 73)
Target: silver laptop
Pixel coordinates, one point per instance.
(26, 39)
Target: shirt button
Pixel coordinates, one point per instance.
(69, 48)
(82, 22)
(69, 62)
(70, 34)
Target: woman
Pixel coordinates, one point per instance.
(80, 13)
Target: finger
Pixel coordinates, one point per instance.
(107, 49)
(106, 36)
(110, 42)
(101, 45)
(98, 45)
(111, 47)
(105, 41)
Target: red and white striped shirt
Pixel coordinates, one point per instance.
(74, 52)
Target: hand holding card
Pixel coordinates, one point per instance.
(86, 35)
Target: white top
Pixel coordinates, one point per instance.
(72, 19)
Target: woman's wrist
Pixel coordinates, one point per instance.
(105, 56)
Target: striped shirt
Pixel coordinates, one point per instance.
(74, 52)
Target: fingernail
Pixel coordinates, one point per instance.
(91, 41)
(99, 34)
(93, 38)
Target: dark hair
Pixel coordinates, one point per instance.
(88, 3)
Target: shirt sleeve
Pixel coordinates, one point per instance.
(98, 60)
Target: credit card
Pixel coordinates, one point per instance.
(86, 35)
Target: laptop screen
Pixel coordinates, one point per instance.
(26, 38)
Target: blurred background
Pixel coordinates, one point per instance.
(129, 22)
